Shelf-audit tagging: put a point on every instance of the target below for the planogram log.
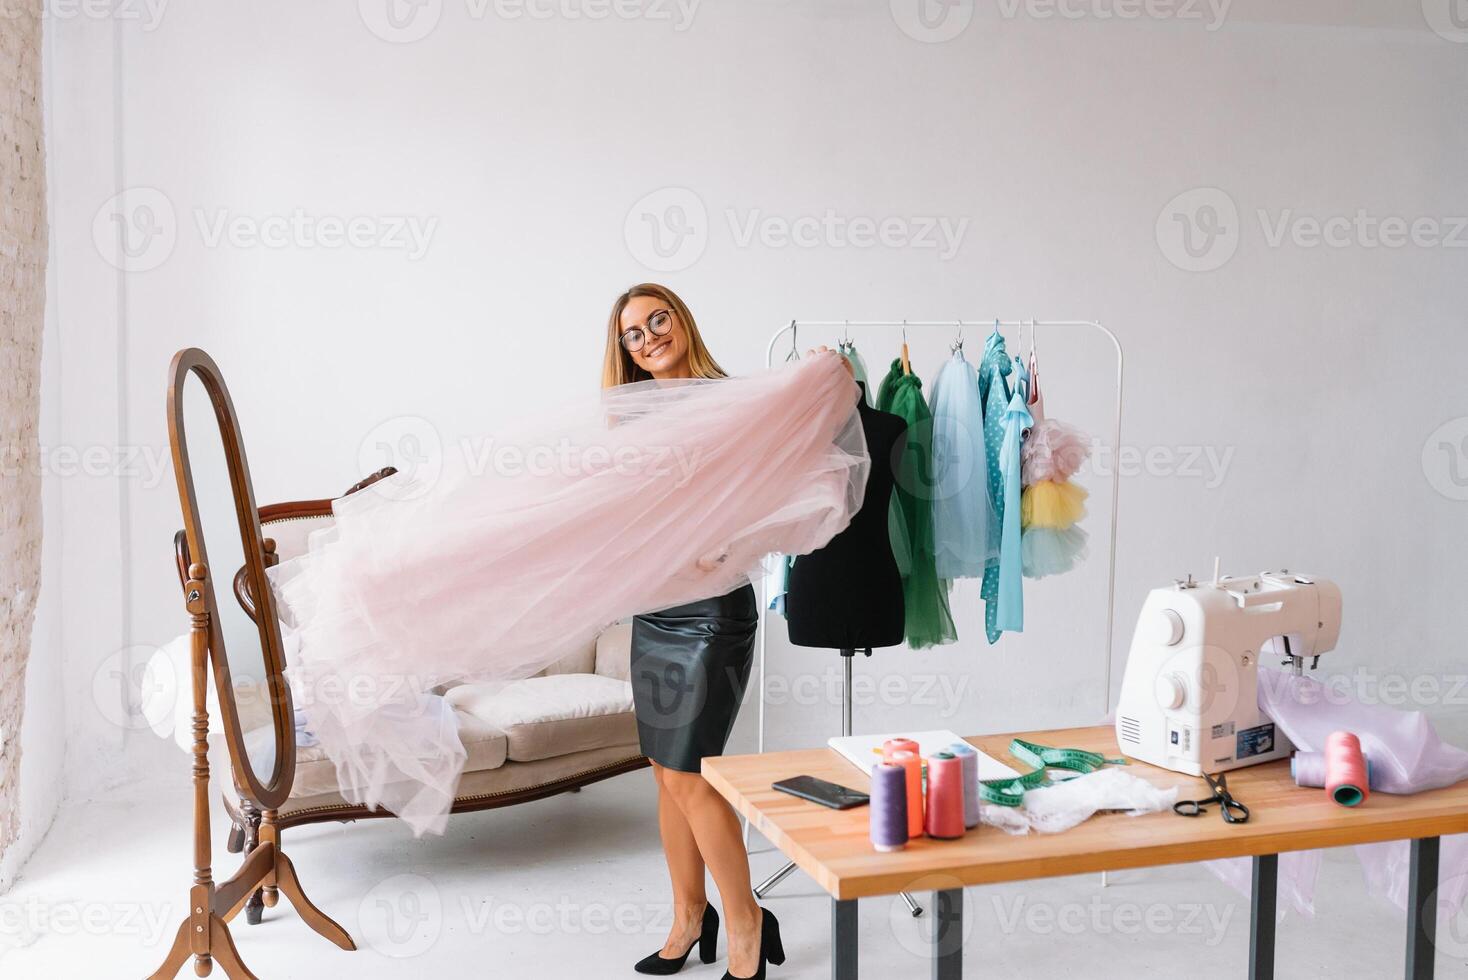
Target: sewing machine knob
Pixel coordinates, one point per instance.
(1168, 627)
(1171, 692)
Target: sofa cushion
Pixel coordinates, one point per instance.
(614, 652)
(477, 789)
(543, 717)
(486, 747)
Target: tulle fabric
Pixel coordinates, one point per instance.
(962, 509)
(1052, 505)
(649, 496)
(1052, 551)
(1054, 451)
(1061, 805)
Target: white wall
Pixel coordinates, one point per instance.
(1320, 372)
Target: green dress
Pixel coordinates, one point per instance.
(925, 598)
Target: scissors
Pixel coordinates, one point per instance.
(1233, 810)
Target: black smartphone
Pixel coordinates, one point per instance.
(835, 796)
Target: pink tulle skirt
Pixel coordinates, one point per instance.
(653, 495)
(1053, 451)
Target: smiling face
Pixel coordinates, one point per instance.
(642, 321)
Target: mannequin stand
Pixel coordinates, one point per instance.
(847, 657)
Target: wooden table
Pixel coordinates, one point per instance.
(833, 847)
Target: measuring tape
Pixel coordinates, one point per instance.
(1010, 790)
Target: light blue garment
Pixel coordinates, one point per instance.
(858, 370)
(994, 393)
(1017, 421)
(962, 508)
(777, 581)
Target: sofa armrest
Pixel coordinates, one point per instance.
(270, 512)
(614, 652)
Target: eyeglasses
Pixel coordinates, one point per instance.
(660, 324)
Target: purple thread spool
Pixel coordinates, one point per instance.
(970, 759)
(1308, 769)
(888, 810)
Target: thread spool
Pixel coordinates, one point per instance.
(1346, 779)
(889, 807)
(899, 745)
(945, 796)
(1307, 769)
(912, 764)
(970, 759)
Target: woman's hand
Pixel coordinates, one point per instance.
(823, 349)
(710, 563)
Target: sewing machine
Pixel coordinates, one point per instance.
(1201, 650)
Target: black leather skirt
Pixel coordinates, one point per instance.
(690, 669)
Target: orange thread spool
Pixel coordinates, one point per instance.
(913, 764)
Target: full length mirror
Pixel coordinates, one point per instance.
(223, 534)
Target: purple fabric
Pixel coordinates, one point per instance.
(1407, 756)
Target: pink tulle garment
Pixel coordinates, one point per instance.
(653, 495)
(1054, 451)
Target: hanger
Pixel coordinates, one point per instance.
(957, 344)
(794, 354)
(906, 364)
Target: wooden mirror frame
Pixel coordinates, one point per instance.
(266, 795)
(204, 933)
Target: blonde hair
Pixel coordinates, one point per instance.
(618, 368)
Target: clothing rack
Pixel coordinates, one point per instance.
(793, 328)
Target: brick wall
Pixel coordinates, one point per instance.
(22, 300)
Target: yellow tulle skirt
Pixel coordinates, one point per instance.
(1052, 505)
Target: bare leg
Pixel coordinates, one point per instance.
(721, 843)
(685, 868)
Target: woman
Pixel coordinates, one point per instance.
(690, 668)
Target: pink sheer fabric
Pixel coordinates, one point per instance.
(653, 495)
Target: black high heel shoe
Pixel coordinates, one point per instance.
(708, 949)
(770, 948)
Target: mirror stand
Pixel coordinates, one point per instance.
(205, 934)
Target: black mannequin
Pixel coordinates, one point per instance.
(848, 595)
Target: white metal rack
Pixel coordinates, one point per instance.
(793, 328)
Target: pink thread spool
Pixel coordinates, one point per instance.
(1346, 779)
(913, 764)
(945, 796)
(898, 745)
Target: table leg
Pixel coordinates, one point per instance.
(843, 939)
(1262, 919)
(1422, 908)
(948, 934)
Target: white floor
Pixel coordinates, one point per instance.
(574, 887)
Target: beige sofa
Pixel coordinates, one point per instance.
(568, 726)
